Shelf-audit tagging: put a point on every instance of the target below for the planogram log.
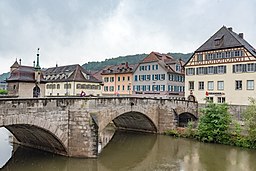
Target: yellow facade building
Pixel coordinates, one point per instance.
(223, 69)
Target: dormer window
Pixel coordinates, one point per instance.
(177, 67)
(218, 40)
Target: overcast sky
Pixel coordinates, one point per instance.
(79, 31)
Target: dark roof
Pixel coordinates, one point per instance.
(226, 39)
(69, 73)
(119, 69)
(23, 74)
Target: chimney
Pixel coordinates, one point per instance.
(34, 64)
(230, 29)
(20, 61)
(241, 35)
(126, 64)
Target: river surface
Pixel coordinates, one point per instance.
(135, 152)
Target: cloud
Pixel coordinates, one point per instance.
(79, 31)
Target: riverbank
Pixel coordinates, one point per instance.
(216, 126)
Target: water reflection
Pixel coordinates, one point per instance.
(138, 152)
(5, 146)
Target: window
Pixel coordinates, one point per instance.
(210, 85)
(250, 84)
(118, 79)
(148, 87)
(191, 85)
(123, 78)
(177, 67)
(128, 87)
(199, 57)
(238, 84)
(148, 77)
(111, 79)
(118, 87)
(78, 86)
(136, 78)
(220, 85)
(156, 67)
(221, 99)
(221, 69)
(190, 71)
(123, 87)
(200, 85)
(162, 77)
(58, 86)
(251, 67)
(67, 86)
(228, 54)
(143, 87)
(111, 88)
(106, 79)
(162, 88)
(105, 88)
(210, 98)
(210, 70)
(128, 78)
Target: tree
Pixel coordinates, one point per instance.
(250, 118)
(214, 123)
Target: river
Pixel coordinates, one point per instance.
(133, 152)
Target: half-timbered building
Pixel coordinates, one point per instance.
(223, 69)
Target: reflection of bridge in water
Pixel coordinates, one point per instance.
(70, 126)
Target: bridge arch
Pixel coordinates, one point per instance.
(135, 121)
(36, 132)
(184, 118)
(121, 118)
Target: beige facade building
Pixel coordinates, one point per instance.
(223, 69)
(70, 80)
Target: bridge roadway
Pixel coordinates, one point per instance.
(70, 125)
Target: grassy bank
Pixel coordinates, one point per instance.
(216, 126)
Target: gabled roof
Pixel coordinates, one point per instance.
(227, 39)
(156, 56)
(69, 73)
(15, 64)
(167, 62)
(23, 74)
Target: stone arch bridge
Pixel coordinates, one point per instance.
(70, 126)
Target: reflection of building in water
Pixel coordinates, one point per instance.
(105, 136)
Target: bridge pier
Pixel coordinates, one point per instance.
(83, 135)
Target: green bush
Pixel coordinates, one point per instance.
(214, 123)
(250, 118)
(3, 92)
(172, 133)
